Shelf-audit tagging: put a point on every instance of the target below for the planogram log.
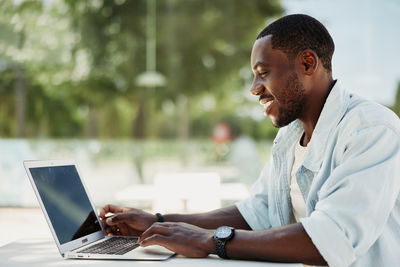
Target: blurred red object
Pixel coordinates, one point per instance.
(221, 133)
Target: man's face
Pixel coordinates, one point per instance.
(276, 83)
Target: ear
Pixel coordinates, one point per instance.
(308, 61)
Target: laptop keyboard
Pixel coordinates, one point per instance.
(115, 246)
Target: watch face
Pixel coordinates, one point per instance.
(223, 232)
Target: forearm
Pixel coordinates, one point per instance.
(285, 244)
(229, 216)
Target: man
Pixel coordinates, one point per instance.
(329, 195)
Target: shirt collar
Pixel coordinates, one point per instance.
(333, 111)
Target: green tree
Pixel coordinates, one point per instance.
(70, 68)
(35, 47)
(200, 44)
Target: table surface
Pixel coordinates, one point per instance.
(44, 252)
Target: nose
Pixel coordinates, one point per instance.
(257, 88)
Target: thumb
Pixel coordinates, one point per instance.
(117, 218)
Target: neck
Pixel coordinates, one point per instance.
(313, 108)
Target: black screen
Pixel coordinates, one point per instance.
(65, 201)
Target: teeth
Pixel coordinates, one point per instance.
(265, 102)
(266, 105)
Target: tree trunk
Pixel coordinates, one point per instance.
(138, 135)
(139, 122)
(93, 123)
(183, 127)
(20, 95)
(183, 108)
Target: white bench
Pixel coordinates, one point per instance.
(184, 192)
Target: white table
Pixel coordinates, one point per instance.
(43, 252)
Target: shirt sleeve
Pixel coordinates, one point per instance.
(357, 199)
(255, 208)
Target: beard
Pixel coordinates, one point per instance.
(293, 101)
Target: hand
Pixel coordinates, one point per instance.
(126, 221)
(185, 239)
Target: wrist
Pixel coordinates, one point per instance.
(209, 245)
(152, 218)
(222, 236)
(160, 217)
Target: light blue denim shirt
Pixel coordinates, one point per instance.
(350, 181)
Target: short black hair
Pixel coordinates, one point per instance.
(295, 33)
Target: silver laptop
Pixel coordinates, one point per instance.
(72, 217)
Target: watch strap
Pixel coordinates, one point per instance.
(160, 218)
(220, 248)
(220, 241)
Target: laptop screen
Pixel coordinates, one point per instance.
(65, 201)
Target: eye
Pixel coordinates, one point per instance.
(264, 74)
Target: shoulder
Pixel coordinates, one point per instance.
(363, 114)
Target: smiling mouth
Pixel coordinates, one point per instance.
(266, 101)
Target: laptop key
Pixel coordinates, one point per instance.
(112, 246)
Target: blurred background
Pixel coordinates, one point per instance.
(151, 97)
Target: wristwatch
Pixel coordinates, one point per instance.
(221, 236)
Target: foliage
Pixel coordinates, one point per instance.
(81, 60)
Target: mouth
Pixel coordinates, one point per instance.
(266, 101)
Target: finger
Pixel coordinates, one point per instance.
(112, 230)
(156, 228)
(103, 222)
(109, 208)
(156, 239)
(118, 232)
(119, 218)
(104, 210)
(125, 230)
(108, 231)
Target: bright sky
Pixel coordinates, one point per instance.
(367, 42)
